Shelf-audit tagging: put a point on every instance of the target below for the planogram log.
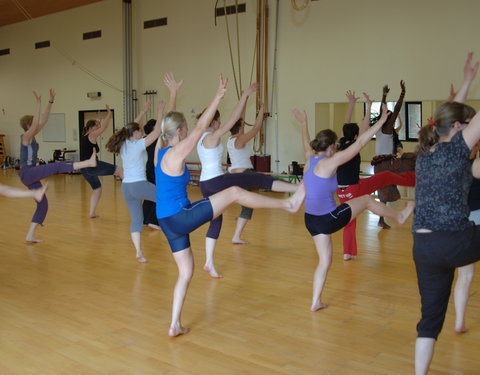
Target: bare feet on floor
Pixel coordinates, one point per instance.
(347, 257)
(153, 226)
(177, 331)
(239, 241)
(212, 272)
(461, 329)
(141, 259)
(318, 306)
(94, 216)
(33, 240)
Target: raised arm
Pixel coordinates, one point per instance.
(368, 112)
(173, 87)
(34, 126)
(389, 125)
(303, 120)
(469, 74)
(341, 157)
(157, 130)
(46, 113)
(212, 140)
(243, 139)
(451, 96)
(143, 112)
(103, 124)
(181, 150)
(352, 99)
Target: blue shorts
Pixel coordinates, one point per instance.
(178, 227)
(329, 223)
(102, 169)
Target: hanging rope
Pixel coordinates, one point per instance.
(238, 47)
(22, 9)
(84, 69)
(230, 49)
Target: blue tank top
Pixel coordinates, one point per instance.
(319, 199)
(171, 190)
(28, 154)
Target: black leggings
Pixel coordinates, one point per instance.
(245, 180)
(436, 256)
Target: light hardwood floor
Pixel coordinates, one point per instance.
(79, 303)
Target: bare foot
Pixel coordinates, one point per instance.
(347, 257)
(93, 216)
(212, 272)
(406, 212)
(153, 226)
(92, 162)
(141, 259)
(39, 193)
(177, 331)
(461, 329)
(33, 240)
(296, 199)
(239, 241)
(318, 306)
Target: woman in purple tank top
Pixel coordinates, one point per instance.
(322, 217)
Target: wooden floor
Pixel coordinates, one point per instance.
(79, 303)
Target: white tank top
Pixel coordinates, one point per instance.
(211, 159)
(384, 143)
(239, 157)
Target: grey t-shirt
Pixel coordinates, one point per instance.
(443, 181)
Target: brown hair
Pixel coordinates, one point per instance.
(118, 139)
(26, 121)
(90, 124)
(236, 127)
(323, 140)
(445, 117)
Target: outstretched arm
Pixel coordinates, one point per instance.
(181, 150)
(34, 126)
(341, 157)
(143, 112)
(243, 139)
(212, 140)
(368, 112)
(46, 113)
(157, 130)
(469, 74)
(352, 99)
(389, 125)
(451, 96)
(173, 88)
(303, 120)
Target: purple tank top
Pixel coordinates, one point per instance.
(320, 191)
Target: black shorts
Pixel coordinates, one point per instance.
(329, 223)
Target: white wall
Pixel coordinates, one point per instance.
(323, 51)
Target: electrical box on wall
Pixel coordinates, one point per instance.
(94, 94)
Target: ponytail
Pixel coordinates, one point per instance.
(117, 140)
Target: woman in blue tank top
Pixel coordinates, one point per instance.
(176, 215)
(322, 217)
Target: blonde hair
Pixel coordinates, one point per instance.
(171, 122)
(26, 121)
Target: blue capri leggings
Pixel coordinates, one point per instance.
(178, 227)
(102, 169)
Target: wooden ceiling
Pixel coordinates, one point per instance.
(12, 11)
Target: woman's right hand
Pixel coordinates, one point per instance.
(222, 87)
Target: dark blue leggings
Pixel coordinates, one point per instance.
(31, 176)
(436, 256)
(245, 180)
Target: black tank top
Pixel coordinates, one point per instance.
(87, 147)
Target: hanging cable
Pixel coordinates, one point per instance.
(301, 6)
(22, 9)
(238, 48)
